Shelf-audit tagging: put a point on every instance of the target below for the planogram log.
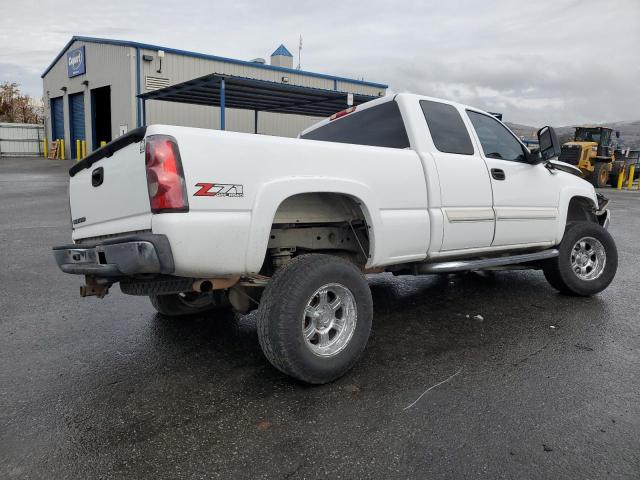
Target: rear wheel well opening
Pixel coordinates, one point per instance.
(319, 222)
(581, 209)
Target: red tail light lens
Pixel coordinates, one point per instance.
(165, 178)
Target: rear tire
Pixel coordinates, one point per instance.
(600, 175)
(184, 304)
(587, 260)
(314, 318)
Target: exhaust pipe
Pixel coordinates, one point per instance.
(205, 285)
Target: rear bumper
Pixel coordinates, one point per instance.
(117, 257)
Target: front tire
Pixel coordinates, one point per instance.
(587, 260)
(314, 318)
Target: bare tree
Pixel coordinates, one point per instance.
(18, 108)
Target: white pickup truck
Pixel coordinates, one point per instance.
(201, 219)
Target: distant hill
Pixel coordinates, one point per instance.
(629, 132)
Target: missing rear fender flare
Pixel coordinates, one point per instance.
(348, 240)
(318, 222)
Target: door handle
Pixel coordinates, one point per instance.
(498, 173)
(97, 177)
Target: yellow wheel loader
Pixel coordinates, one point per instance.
(592, 151)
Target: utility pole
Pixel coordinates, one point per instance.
(299, 53)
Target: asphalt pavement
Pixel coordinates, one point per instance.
(520, 382)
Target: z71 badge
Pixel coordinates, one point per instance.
(219, 190)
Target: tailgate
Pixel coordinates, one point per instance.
(108, 190)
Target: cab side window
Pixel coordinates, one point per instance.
(496, 140)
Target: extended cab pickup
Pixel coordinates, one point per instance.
(201, 219)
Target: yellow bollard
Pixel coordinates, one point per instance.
(620, 179)
(45, 149)
(102, 143)
(84, 148)
(78, 150)
(632, 171)
(62, 152)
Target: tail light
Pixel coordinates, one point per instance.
(342, 113)
(165, 178)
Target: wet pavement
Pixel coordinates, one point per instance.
(547, 386)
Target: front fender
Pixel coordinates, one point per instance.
(582, 189)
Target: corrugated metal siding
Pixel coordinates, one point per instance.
(236, 120)
(116, 66)
(178, 68)
(21, 139)
(106, 65)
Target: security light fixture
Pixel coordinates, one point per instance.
(285, 79)
(160, 57)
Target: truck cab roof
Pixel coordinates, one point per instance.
(395, 121)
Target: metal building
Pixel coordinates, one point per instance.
(92, 87)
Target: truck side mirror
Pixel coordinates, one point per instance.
(549, 144)
(617, 133)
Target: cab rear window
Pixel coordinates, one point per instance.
(379, 126)
(447, 128)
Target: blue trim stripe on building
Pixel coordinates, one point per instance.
(186, 53)
(138, 90)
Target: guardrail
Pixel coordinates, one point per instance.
(21, 139)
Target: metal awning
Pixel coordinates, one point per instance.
(226, 91)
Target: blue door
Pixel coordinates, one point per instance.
(57, 119)
(76, 120)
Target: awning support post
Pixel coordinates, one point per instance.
(144, 111)
(222, 102)
(255, 121)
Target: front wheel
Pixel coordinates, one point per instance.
(587, 260)
(314, 318)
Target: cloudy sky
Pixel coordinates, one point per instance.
(539, 62)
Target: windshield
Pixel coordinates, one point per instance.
(588, 135)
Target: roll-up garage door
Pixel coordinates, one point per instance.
(76, 120)
(57, 119)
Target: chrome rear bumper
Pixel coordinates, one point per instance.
(117, 257)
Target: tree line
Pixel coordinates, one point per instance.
(18, 108)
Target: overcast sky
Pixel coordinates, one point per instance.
(539, 62)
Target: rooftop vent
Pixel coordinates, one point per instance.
(155, 83)
(259, 60)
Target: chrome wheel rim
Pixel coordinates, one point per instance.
(588, 258)
(329, 320)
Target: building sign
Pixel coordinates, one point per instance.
(76, 62)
